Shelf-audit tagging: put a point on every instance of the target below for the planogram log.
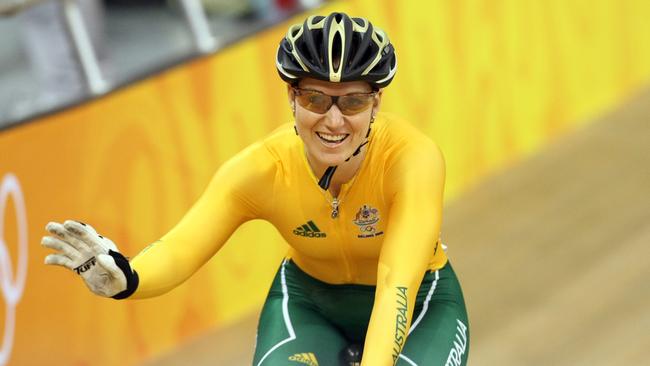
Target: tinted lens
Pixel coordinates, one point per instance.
(354, 103)
(313, 101)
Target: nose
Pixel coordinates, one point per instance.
(334, 118)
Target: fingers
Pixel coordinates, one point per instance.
(59, 260)
(87, 234)
(79, 229)
(60, 232)
(61, 246)
(57, 229)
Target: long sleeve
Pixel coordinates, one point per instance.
(417, 181)
(237, 193)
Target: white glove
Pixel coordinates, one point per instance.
(95, 258)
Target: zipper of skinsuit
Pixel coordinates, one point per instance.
(338, 222)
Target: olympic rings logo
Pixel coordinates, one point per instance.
(12, 287)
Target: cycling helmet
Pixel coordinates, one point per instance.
(336, 48)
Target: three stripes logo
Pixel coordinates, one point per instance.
(309, 230)
(306, 358)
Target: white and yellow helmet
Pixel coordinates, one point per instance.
(336, 48)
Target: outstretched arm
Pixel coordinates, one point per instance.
(236, 193)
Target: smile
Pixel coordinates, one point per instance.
(332, 139)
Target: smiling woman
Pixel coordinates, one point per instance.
(333, 120)
(365, 264)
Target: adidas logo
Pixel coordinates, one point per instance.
(309, 230)
(306, 358)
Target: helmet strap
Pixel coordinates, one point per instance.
(372, 119)
(293, 111)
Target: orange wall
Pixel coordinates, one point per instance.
(490, 81)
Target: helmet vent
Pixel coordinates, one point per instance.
(336, 52)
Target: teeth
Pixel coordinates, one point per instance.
(331, 138)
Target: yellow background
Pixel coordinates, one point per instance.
(490, 81)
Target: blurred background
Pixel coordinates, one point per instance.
(117, 113)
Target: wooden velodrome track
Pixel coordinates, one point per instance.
(553, 254)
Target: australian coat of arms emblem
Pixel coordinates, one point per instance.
(366, 219)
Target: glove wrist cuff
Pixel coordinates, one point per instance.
(132, 279)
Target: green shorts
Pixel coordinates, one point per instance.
(309, 322)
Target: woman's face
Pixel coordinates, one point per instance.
(332, 137)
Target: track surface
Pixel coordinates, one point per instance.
(553, 254)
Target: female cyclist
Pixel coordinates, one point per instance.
(356, 194)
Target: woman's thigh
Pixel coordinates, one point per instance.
(291, 331)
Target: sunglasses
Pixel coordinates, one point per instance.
(320, 103)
